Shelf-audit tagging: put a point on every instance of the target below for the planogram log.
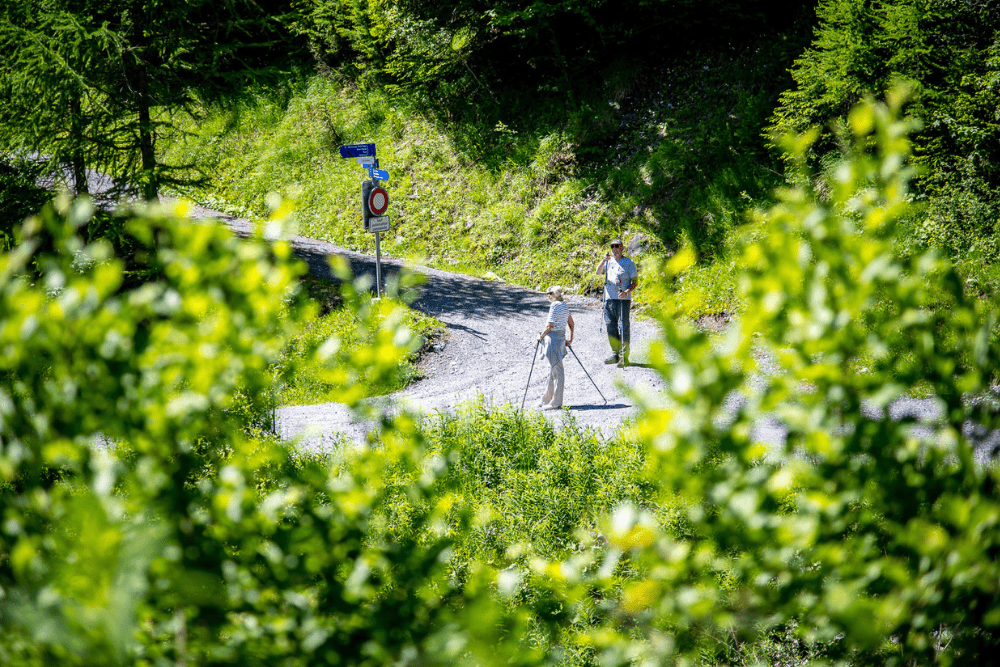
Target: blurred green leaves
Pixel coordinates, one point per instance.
(849, 528)
(140, 525)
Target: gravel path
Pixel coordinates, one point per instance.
(485, 354)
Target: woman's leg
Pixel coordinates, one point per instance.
(557, 378)
(551, 386)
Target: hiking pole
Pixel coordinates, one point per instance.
(604, 293)
(533, 357)
(621, 323)
(587, 374)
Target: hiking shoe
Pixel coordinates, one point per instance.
(613, 359)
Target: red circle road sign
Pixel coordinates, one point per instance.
(378, 201)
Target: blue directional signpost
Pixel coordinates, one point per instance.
(374, 199)
(357, 150)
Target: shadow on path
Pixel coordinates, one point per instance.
(588, 407)
(442, 295)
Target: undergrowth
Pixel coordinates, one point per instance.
(304, 379)
(525, 192)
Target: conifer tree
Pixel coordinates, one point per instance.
(93, 83)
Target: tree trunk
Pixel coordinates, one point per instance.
(150, 184)
(143, 96)
(77, 160)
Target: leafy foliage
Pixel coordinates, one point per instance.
(136, 524)
(303, 379)
(873, 538)
(20, 197)
(479, 50)
(948, 50)
(93, 85)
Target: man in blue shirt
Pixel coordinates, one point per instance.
(620, 280)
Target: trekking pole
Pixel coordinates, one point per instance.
(587, 374)
(604, 296)
(621, 322)
(533, 357)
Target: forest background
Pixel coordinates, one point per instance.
(521, 137)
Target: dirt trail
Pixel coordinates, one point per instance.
(486, 352)
(490, 339)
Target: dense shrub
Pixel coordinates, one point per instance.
(139, 524)
(304, 379)
(480, 50)
(873, 539)
(20, 197)
(949, 51)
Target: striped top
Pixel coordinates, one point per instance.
(558, 315)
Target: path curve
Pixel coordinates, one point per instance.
(486, 352)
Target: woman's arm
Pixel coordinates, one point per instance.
(571, 325)
(548, 328)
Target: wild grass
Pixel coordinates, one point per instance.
(525, 490)
(304, 380)
(671, 158)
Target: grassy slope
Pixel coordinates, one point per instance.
(673, 154)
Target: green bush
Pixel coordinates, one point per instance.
(949, 52)
(304, 379)
(467, 53)
(521, 492)
(20, 197)
(868, 538)
(140, 525)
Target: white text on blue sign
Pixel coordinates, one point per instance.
(357, 150)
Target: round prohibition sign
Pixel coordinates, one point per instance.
(378, 200)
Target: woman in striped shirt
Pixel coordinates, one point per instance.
(555, 347)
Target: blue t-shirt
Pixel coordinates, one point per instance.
(619, 274)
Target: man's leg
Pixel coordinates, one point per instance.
(611, 325)
(626, 306)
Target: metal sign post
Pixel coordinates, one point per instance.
(378, 266)
(374, 200)
(377, 203)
